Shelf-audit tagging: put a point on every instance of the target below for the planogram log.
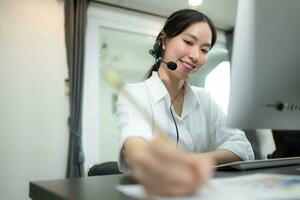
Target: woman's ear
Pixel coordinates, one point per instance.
(164, 40)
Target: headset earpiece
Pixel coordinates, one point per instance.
(157, 47)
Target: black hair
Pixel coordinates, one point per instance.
(174, 25)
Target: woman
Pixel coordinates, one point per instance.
(194, 124)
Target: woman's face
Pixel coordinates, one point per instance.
(189, 49)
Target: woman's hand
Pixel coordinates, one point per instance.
(163, 169)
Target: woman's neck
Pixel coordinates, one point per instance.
(173, 84)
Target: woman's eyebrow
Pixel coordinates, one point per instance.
(208, 45)
(191, 35)
(195, 38)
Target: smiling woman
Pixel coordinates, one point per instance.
(193, 123)
(113, 42)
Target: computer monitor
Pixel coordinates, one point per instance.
(265, 76)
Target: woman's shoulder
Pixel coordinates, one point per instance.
(204, 97)
(134, 87)
(200, 92)
(136, 90)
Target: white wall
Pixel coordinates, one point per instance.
(33, 105)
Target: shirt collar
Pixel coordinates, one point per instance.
(159, 91)
(156, 87)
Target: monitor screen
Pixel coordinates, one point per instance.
(265, 76)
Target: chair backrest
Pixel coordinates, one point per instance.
(105, 168)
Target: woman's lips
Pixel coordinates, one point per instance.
(187, 66)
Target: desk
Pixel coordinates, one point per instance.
(103, 187)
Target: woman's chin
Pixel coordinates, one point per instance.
(183, 75)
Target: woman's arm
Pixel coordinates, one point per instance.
(220, 156)
(132, 147)
(230, 144)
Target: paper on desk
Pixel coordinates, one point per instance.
(254, 187)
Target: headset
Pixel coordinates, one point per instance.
(157, 52)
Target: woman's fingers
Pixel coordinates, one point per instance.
(202, 166)
(165, 170)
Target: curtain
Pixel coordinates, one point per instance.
(75, 27)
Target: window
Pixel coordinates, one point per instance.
(119, 39)
(217, 83)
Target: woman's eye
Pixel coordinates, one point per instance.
(188, 42)
(204, 50)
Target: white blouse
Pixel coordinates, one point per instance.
(201, 126)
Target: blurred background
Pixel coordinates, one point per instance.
(34, 95)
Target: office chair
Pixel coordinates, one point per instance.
(105, 168)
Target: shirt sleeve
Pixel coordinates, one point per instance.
(225, 137)
(131, 121)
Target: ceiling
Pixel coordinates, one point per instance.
(222, 12)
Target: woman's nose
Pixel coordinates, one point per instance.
(194, 54)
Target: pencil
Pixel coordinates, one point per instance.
(112, 77)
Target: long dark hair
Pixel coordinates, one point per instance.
(174, 25)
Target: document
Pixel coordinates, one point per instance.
(247, 187)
